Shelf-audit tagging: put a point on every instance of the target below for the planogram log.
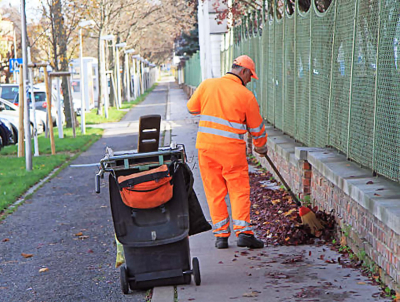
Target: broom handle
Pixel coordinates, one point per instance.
(282, 180)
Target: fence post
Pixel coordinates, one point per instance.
(351, 80)
(331, 78)
(310, 73)
(283, 70)
(295, 69)
(376, 88)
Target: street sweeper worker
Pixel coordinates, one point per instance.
(228, 110)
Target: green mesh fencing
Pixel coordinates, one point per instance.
(264, 69)
(192, 71)
(278, 67)
(289, 76)
(387, 128)
(322, 27)
(363, 83)
(270, 99)
(303, 76)
(329, 79)
(342, 59)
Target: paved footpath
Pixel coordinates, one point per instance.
(268, 275)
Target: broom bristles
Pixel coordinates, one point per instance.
(312, 221)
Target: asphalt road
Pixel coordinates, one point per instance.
(68, 229)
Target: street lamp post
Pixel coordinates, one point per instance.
(104, 88)
(82, 25)
(117, 46)
(128, 78)
(137, 75)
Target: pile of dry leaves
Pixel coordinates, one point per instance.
(275, 215)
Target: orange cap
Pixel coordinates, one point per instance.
(246, 62)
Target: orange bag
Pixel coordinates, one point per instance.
(146, 190)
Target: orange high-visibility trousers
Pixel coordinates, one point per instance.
(222, 173)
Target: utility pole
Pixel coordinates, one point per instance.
(28, 142)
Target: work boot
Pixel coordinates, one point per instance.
(221, 243)
(248, 240)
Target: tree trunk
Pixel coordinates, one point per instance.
(111, 66)
(62, 42)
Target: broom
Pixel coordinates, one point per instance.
(307, 216)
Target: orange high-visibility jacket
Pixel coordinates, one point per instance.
(228, 109)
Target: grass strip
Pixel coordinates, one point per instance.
(67, 144)
(15, 180)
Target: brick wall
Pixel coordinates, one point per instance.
(366, 233)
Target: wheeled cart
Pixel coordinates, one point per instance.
(155, 240)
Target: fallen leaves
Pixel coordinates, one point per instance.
(44, 269)
(276, 216)
(298, 258)
(5, 240)
(26, 255)
(81, 236)
(251, 294)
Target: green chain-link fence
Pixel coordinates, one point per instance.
(192, 70)
(327, 78)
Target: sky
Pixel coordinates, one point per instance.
(31, 6)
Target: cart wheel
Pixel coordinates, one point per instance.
(196, 271)
(124, 279)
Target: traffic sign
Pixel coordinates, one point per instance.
(13, 64)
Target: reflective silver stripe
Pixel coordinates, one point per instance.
(260, 136)
(221, 223)
(258, 129)
(244, 229)
(221, 121)
(241, 223)
(228, 231)
(221, 133)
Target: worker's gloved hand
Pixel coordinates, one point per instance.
(261, 150)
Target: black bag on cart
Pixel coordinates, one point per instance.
(155, 241)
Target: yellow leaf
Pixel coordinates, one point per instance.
(79, 234)
(290, 212)
(287, 238)
(276, 201)
(361, 283)
(42, 270)
(257, 212)
(26, 255)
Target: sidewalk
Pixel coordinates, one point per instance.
(268, 274)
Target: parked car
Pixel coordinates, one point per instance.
(13, 118)
(9, 91)
(6, 134)
(41, 102)
(41, 116)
